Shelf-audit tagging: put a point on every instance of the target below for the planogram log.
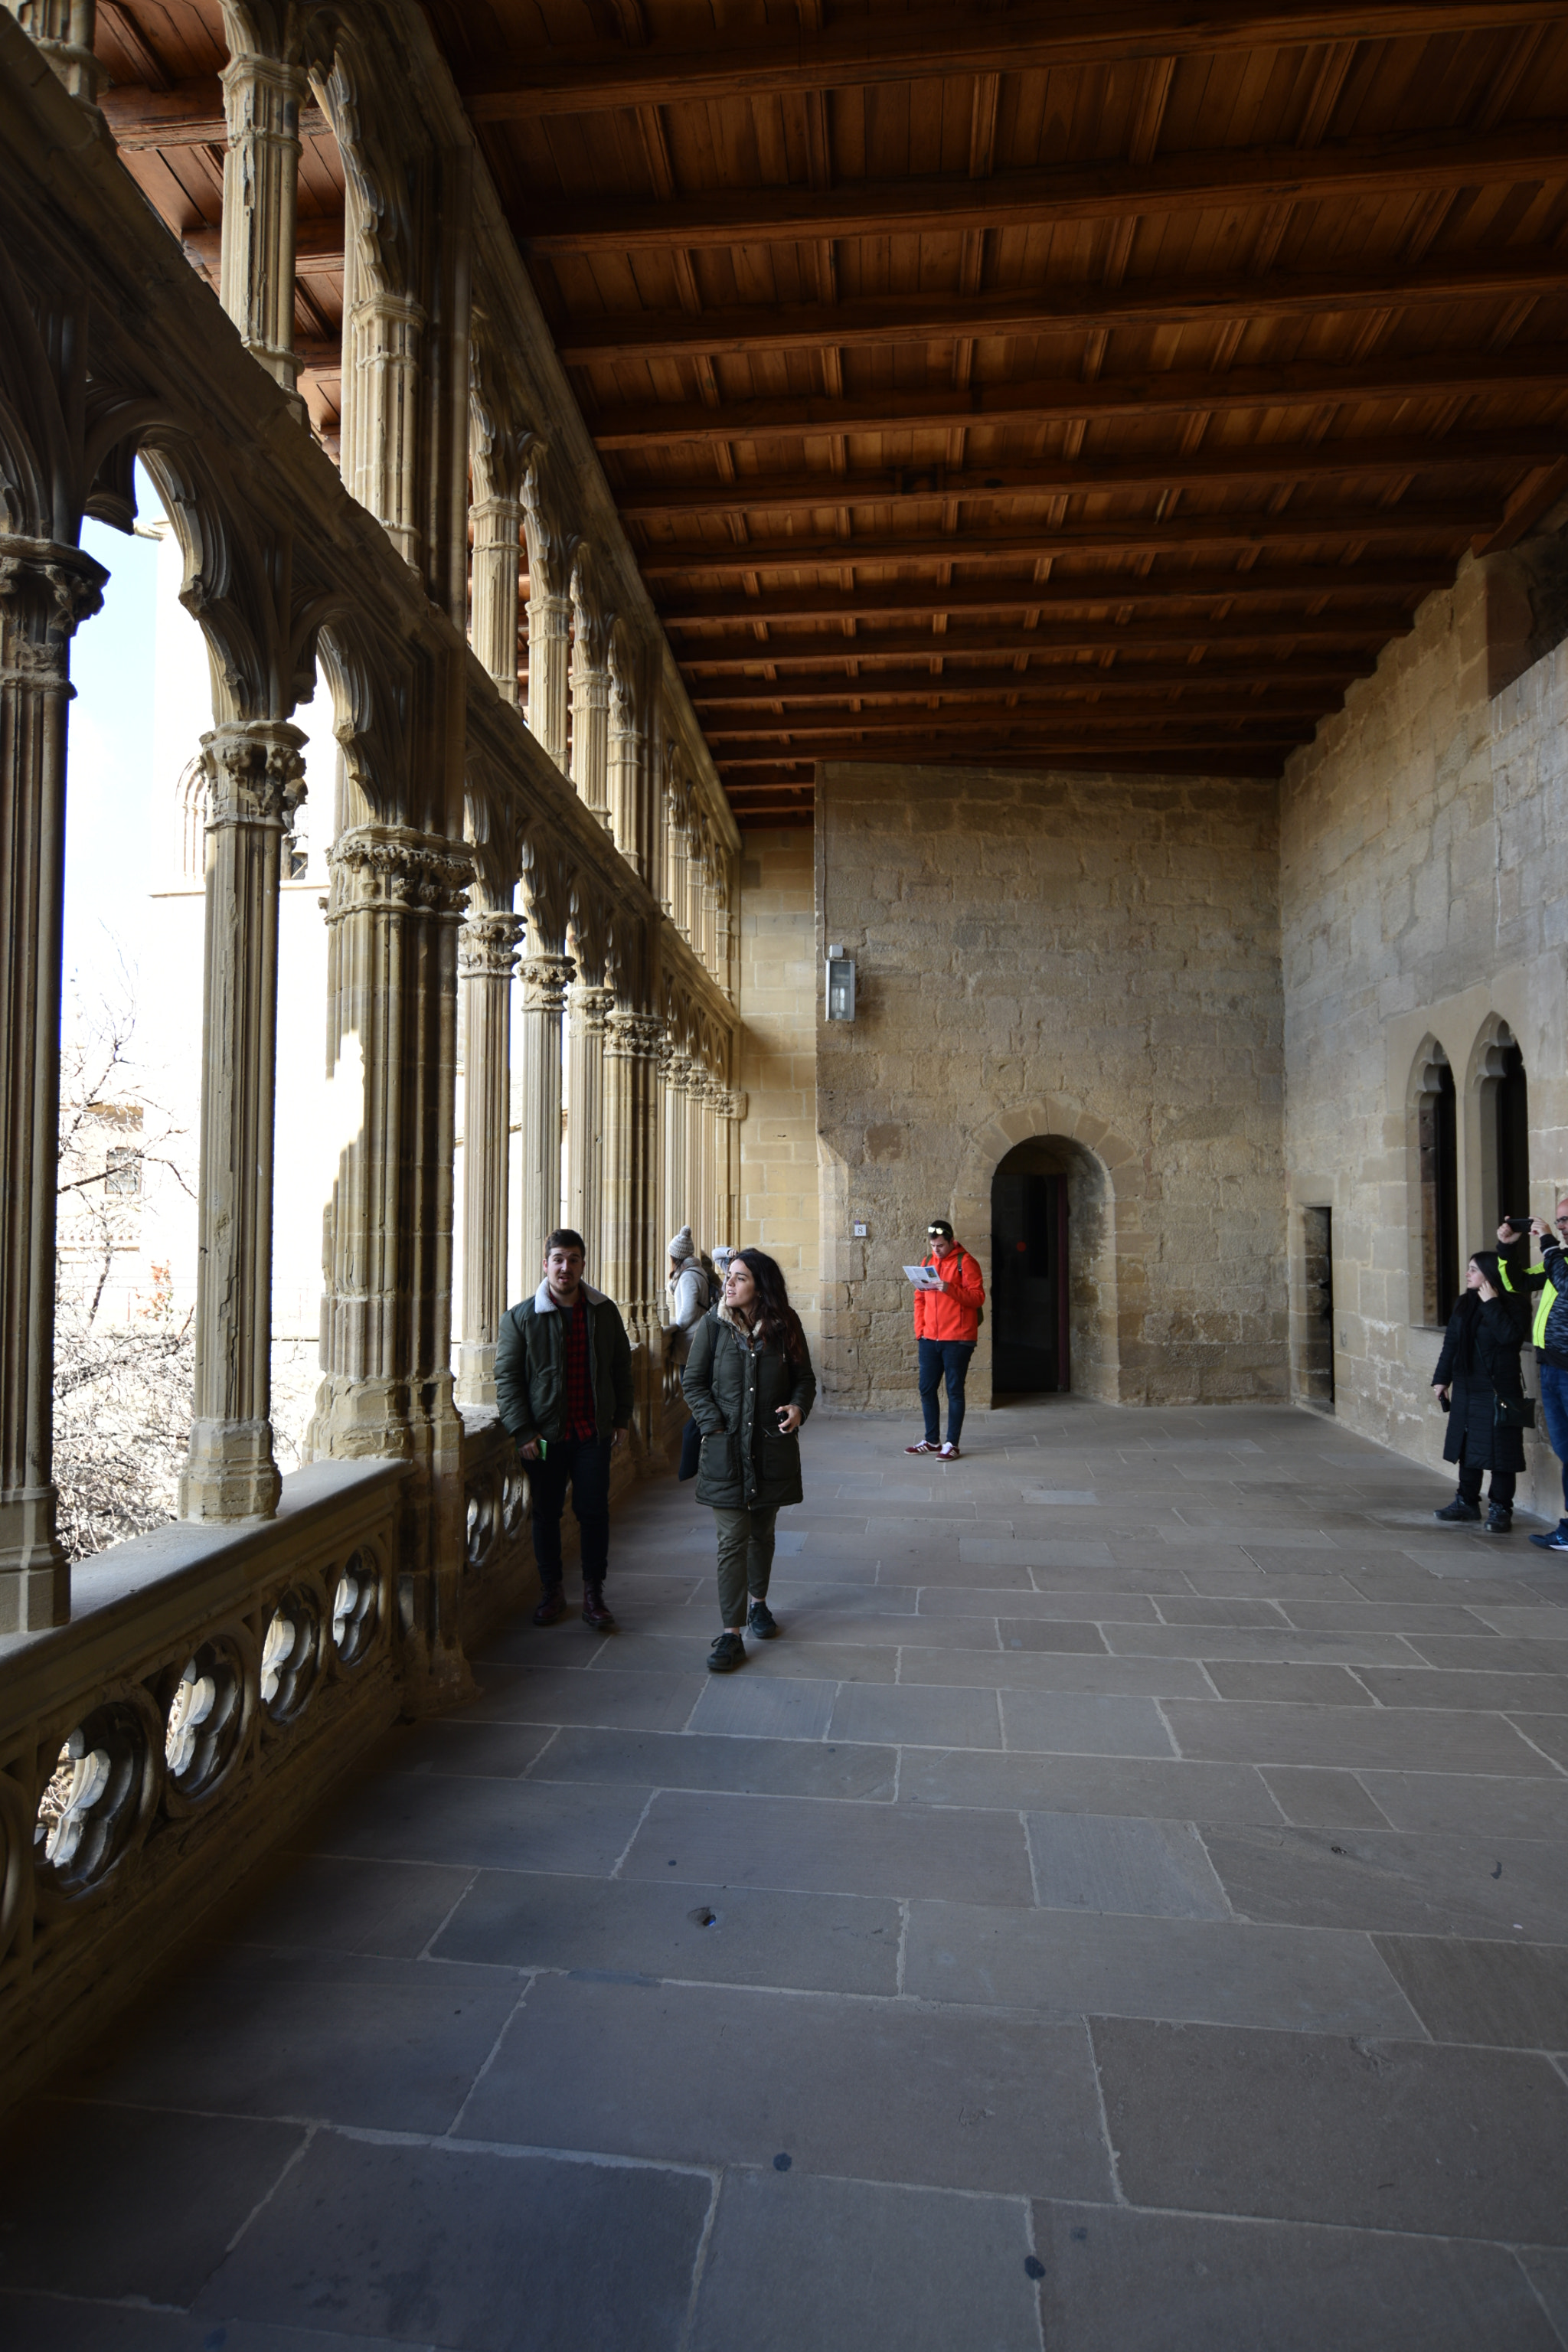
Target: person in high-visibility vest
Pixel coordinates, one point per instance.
(1548, 1278)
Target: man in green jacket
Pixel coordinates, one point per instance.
(563, 1389)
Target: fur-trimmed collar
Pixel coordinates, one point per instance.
(727, 1314)
(544, 1303)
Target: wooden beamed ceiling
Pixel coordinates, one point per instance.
(1096, 388)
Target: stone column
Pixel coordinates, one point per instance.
(393, 917)
(255, 779)
(45, 591)
(549, 618)
(261, 95)
(631, 1248)
(590, 699)
(699, 1156)
(676, 1074)
(544, 982)
(381, 416)
(498, 544)
(624, 766)
(731, 1111)
(64, 30)
(590, 1009)
(487, 958)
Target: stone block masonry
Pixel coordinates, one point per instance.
(1090, 961)
(1424, 864)
(778, 992)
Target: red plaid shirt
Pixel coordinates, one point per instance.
(579, 1419)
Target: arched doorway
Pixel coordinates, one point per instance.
(1030, 1274)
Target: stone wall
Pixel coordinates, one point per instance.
(1425, 902)
(778, 994)
(1093, 958)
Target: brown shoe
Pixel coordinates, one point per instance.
(552, 1607)
(595, 1612)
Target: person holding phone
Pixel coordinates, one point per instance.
(1548, 1280)
(1477, 1373)
(749, 1386)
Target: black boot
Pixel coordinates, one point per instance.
(595, 1612)
(1499, 1519)
(1459, 1511)
(552, 1607)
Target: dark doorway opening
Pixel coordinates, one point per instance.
(1317, 1282)
(1031, 1350)
(1438, 1138)
(1511, 1099)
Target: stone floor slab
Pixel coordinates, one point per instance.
(1091, 1784)
(1068, 1723)
(779, 1708)
(1261, 1645)
(476, 2251)
(487, 1824)
(1402, 2136)
(32, 2323)
(1292, 1685)
(1511, 1995)
(1370, 1737)
(336, 1905)
(1060, 1671)
(769, 1767)
(1103, 1862)
(1393, 1879)
(717, 2075)
(472, 1751)
(1129, 2282)
(785, 1842)
(717, 1934)
(388, 2045)
(1468, 1805)
(164, 2193)
(842, 2266)
(920, 1717)
(1064, 1964)
(1317, 1795)
(641, 1702)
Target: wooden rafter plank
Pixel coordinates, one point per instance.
(668, 561)
(1101, 635)
(730, 742)
(1271, 462)
(1172, 760)
(1061, 679)
(187, 114)
(1060, 399)
(1034, 35)
(318, 245)
(1416, 576)
(734, 330)
(1539, 491)
(1410, 163)
(1107, 746)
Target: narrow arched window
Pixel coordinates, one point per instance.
(1437, 1137)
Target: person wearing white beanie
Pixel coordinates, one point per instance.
(687, 1291)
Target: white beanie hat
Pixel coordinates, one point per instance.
(680, 1244)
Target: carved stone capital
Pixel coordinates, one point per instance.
(487, 946)
(47, 591)
(591, 1009)
(545, 979)
(392, 865)
(255, 772)
(63, 30)
(634, 1036)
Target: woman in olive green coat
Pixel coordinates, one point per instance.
(749, 1384)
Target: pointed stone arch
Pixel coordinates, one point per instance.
(1110, 1278)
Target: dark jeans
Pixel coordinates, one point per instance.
(1555, 1412)
(585, 1463)
(745, 1560)
(1499, 1492)
(939, 1357)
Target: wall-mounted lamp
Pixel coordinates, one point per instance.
(840, 985)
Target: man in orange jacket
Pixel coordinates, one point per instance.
(947, 1323)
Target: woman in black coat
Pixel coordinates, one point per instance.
(749, 1383)
(1479, 1367)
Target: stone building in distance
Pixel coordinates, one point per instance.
(1065, 510)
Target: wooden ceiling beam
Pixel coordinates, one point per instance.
(1418, 576)
(1268, 631)
(1106, 745)
(1274, 462)
(737, 330)
(1412, 162)
(1207, 727)
(666, 559)
(1297, 675)
(1171, 761)
(1442, 374)
(187, 114)
(318, 247)
(1034, 35)
(792, 715)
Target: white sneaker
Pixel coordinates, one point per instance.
(925, 1446)
(948, 1453)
